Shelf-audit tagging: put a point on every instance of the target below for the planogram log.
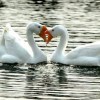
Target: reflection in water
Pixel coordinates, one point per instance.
(10, 78)
(37, 81)
(61, 74)
(46, 80)
(88, 70)
(30, 77)
(42, 79)
(10, 67)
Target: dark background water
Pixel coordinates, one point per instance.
(52, 81)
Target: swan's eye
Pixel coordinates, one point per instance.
(39, 27)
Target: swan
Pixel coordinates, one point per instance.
(13, 49)
(85, 55)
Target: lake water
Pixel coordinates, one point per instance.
(52, 81)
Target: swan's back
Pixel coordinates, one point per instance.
(89, 50)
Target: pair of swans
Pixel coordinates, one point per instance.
(13, 49)
(85, 55)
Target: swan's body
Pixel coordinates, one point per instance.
(13, 49)
(85, 55)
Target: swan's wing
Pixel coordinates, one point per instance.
(15, 45)
(18, 49)
(92, 49)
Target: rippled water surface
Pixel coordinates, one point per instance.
(52, 81)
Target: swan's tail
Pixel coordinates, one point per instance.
(7, 28)
(8, 33)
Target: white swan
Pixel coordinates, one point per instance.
(85, 55)
(13, 49)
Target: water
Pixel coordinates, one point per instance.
(52, 81)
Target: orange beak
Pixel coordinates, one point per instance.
(42, 34)
(48, 36)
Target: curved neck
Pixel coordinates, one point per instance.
(32, 43)
(62, 44)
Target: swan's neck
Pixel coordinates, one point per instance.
(32, 43)
(62, 44)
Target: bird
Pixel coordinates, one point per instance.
(13, 49)
(84, 55)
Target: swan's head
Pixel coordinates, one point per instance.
(37, 28)
(57, 30)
